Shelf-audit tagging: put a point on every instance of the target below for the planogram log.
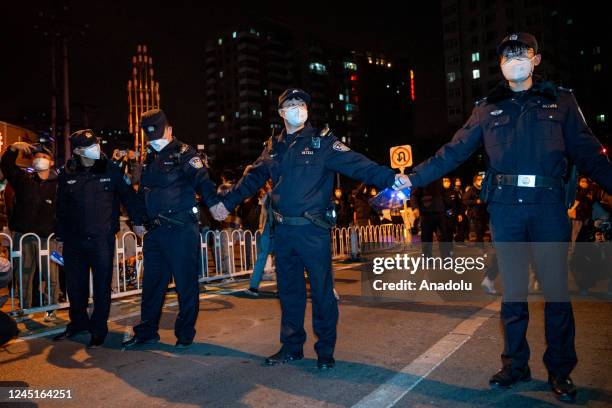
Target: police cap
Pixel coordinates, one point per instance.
(293, 93)
(153, 122)
(83, 138)
(521, 38)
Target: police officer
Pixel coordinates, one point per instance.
(530, 130)
(171, 176)
(90, 189)
(301, 162)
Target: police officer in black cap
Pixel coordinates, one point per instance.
(531, 131)
(90, 189)
(172, 174)
(301, 162)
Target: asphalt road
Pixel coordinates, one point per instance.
(403, 354)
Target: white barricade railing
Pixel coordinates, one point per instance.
(368, 237)
(225, 254)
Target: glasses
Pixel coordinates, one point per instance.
(292, 104)
(522, 56)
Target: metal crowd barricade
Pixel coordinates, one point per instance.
(224, 255)
(368, 238)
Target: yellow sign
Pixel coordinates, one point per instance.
(401, 156)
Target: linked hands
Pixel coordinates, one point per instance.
(401, 181)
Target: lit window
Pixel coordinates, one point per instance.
(341, 97)
(254, 112)
(220, 74)
(237, 114)
(265, 92)
(331, 105)
(475, 56)
(451, 76)
(597, 50)
(388, 65)
(317, 67)
(350, 66)
(601, 118)
(475, 73)
(369, 60)
(220, 41)
(343, 139)
(223, 140)
(234, 34)
(222, 118)
(597, 68)
(570, 21)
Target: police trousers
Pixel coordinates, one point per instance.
(80, 254)
(170, 251)
(298, 248)
(536, 234)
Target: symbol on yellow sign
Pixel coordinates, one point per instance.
(401, 156)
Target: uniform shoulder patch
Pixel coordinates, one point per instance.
(196, 162)
(341, 147)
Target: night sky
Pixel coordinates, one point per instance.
(100, 61)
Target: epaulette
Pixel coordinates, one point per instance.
(570, 90)
(480, 101)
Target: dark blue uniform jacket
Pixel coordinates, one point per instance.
(88, 199)
(302, 167)
(528, 133)
(171, 178)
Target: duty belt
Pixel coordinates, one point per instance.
(305, 220)
(525, 180)
(282, 219)
(178, 218)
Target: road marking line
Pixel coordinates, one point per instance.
(396, 388)
(134, 314)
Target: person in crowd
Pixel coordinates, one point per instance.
(265, 243)
(33, 212)
(476, 210)
(429, 205)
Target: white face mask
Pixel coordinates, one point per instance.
(296, 115)
(41, 164)
(92, 152)
(517, 70)
(159, 144)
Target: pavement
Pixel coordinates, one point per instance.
(391, 353)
